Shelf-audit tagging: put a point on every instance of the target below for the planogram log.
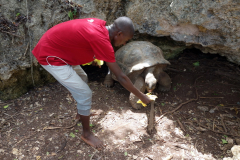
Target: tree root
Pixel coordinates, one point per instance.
(75, 123)
(195, 99)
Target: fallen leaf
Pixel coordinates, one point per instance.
(5, 106)
(38, 157)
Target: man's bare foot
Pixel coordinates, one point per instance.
(92, 140)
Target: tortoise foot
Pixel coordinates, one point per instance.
(108, 81)
(133, 101)
(164, 82)
(164, 88)
(136, 105)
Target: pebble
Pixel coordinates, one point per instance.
(229, 140)
(203, 108)
(212, 110)
(237, 141)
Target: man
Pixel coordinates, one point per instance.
(67, 45)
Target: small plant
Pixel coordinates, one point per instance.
(71, 14)
(18, 14)
(224, 141)
(196, 64)
(174, 88)
(72, 135)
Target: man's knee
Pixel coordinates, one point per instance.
(88, 93)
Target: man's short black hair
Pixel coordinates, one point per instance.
(125, 25)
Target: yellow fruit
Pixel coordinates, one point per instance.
(99, 62)
(143, 104)
(87, 64)
(152, 97)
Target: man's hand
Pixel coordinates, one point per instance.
(94, 63)
(145, 99)
(126, 82)
(97, 62)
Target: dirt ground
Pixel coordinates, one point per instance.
(197, 119)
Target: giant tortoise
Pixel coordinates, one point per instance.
(143, 63)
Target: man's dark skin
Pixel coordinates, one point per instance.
(120, 32)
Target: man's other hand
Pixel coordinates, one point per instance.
(94, 63)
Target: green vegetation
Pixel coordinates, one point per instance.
(71, 14)
(196, 64)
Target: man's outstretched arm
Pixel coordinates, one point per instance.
(126, 82)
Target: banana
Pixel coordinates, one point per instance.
(87, 64)
(152, 97)
(99, 62)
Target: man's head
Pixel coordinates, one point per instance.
(122, 31)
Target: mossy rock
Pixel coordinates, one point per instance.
(23, 80)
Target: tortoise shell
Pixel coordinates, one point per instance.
(137, 55)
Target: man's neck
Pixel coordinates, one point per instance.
(109, 28)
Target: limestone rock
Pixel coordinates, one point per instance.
(212, 26)
(236, 153)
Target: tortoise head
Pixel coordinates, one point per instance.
(150, 82)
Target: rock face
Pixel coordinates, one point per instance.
(211, 26)
(23, 22)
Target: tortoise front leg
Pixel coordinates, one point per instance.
(139, 84)
(108, 81)
(164, 81)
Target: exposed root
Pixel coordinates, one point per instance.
(195, 99)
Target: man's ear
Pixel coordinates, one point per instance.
(119, 33)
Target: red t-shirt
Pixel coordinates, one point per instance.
(76, 42)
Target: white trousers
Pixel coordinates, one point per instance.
(75, 80)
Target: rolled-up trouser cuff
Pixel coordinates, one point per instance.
(84, 112)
